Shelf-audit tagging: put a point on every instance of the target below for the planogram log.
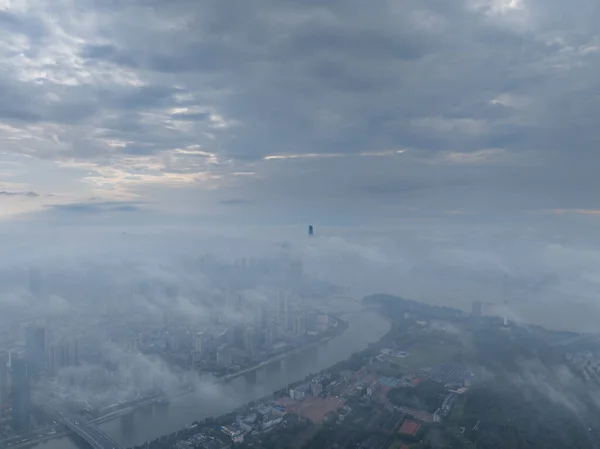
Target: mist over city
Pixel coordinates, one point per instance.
(295, 224)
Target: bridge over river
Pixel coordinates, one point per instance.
(92, 435)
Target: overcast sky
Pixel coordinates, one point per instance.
(290, 111)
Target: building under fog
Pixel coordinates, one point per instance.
(21, 394)
(4, 402)
(35, 349)
(299, 323)
(199, 343)
(61, 353)
(35, 281)
(284, 310)
(251, 341)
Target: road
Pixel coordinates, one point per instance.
(88, 431)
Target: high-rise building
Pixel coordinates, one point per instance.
(238, 303)
(251, 341)
(21, 395)
(4, 404)
(35, 281)
(261, 315)
(63, 352)
(316, 388)
(310, 230)
(269, 337)
(198, 343)
(280, 306)
(299, 322)
(35, 349)
(237, 335)
(284, 310)
(296, 269)
(223, 355)
(131, 344)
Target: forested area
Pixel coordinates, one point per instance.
(507, 417)
(428, 396)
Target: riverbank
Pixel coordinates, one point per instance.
(212, 400)
(339, 329)
(225, 419)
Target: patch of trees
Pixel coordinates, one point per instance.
(280, 438)
(428, 396)
(502, 351)
(505, 416)
(395, 307)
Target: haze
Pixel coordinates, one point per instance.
(161, 162)
(454, 142)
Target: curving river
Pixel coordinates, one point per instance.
(147, 424)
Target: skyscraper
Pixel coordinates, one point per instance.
(237, 335)
(3, 382)
(35, 349)
(284, 311)
(21, 400)
(35, 281)
(310, 230)
(299, 324)
(261, 315)
(199, 343)
(251, 341)
(63, 352)
(269, 337)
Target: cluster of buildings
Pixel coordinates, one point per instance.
(203, 441)
(239, 328)
(25, 359)
(312, 388)
(587, 364)
(257, 313)
(269, 328)
(262, 419)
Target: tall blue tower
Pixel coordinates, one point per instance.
(310, 230)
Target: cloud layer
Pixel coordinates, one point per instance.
(439, 106)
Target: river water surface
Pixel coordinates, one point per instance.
(147, 424)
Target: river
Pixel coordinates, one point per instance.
(364, 327)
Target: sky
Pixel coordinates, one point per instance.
(438, 147)
(288, 112)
